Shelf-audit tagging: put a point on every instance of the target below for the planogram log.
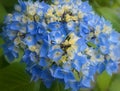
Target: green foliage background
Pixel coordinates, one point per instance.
(13, 76)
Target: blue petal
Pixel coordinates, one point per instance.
(78, 62)
(111, 67)
(44, 50)
(55, 26)
(23, 6)
(115, 37)
(101, 67)
(86, 82)
(69, 76)
(55, 55)
(14, 26)
(31, 28)
(59, 73)
(30, 40)
(44, 62)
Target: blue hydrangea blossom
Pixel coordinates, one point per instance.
(64, 41)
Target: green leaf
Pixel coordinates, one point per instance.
(14, 78)
(1, 42)
(3, 62)
(76, 75)
(91, 44)
(103, 81)
(2, 13)
(8, 3)
(103, 2)
(37, 85)
(56, 86)
(115, 83)
(85, 89)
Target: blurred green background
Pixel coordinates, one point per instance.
(13, 76)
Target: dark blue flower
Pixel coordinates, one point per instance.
(55, 54)
(78, 62)
(55, 26)
(10, 51)
(31, 28)
(30, 40)
(112, 67)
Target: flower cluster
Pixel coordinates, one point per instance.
(64, 41)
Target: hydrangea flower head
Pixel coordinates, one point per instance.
(64, 41)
